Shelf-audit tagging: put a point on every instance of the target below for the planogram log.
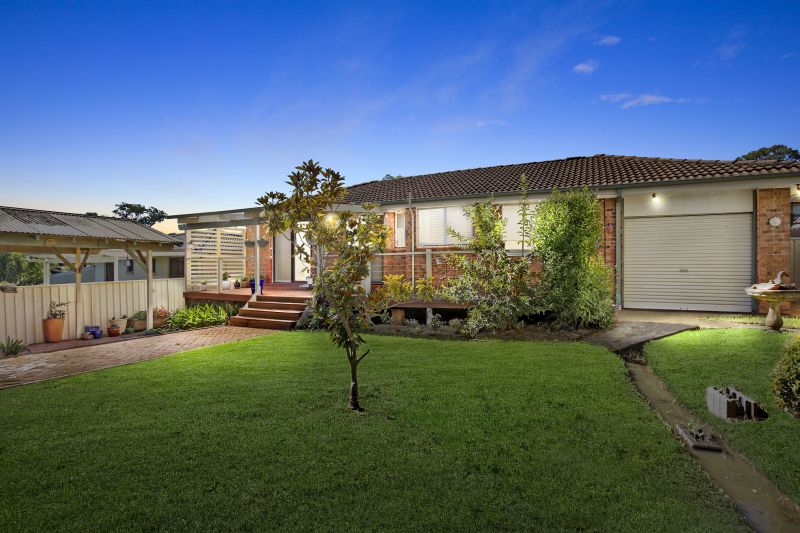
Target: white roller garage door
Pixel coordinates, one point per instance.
(695, 263)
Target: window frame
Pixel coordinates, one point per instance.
(399, 236)
(445, 225)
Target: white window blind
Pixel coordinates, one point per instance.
(433, 224)
(400, 230)
(513, 231)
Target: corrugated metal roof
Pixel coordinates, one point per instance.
(53, 223)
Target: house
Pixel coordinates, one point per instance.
(116, 265)
(680, 234)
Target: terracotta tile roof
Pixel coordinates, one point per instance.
(594, 171)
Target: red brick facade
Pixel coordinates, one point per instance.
(773, 243)
(608, 246)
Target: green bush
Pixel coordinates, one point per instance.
(199, 316)
(495, 287)
(575, 284)
(786, 379)
(12, 347)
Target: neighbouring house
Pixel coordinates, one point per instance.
(680, 234)
(116, 265)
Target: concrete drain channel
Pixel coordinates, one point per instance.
(763, 505)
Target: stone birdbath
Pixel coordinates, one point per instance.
(774, 293)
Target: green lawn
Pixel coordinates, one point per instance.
(256, 435)
(743, 358)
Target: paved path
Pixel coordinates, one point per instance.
(30, 368)
(632, 335)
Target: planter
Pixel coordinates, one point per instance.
(53, 329)
(137, 325)
(253, 286)
(159, 323)
(119, 323)
(398, 316)
(94, 330)
(226, 284)
(113, 331)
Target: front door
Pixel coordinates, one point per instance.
(282, 258)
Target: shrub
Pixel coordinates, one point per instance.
(495, 287)
(786, 379)
(575, 284)
(425, 290)
(199, 316)
(12, 347)
(397, 288)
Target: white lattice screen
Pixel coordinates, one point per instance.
(210, 252)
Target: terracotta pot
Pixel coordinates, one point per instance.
(120, 323)
(113, 331)
(53, 329)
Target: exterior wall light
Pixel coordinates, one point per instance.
(655, 198)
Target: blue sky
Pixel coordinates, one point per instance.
(200, 106)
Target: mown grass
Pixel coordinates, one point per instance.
(256, 435)
(742, 358)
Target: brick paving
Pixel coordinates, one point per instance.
(30, 368)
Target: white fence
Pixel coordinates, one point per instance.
(21, 313)
(212, 252)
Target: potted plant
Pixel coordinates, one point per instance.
(53, 322)
(160, 316)
(236, 284)
(113, 330)
(119, 323)
(253, 284)
(138, 321)
(203, 286)
(226, 284)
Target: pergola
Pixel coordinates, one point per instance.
(74, 238)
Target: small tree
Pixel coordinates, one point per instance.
(495, 286)
(351, 239)
(575, 284)
(149, 216)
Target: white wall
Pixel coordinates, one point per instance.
(21, 313)
(667, 203)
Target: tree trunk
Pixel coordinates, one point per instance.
(353, 357)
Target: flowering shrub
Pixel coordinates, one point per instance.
(161, 312)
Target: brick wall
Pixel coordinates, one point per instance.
(773, 244)
(608, 245)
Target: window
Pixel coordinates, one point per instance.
(176, 267)
(129, 265)
(400, 230)
(154, 266)
(433, 224)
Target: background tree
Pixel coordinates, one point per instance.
(16, 268)
(575, 284)
(350, 239)
(148, 216)
(779, 152)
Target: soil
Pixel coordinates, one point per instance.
(531, 332)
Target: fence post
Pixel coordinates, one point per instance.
(428, 274)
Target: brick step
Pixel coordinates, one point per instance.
(278, 306)
(270, 313)
(261, 323)
(282, 298)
